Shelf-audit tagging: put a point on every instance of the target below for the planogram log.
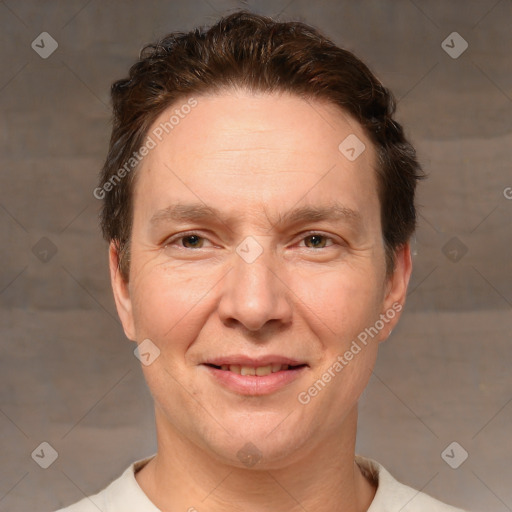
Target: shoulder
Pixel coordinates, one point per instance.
(123, 494)
(393, 496)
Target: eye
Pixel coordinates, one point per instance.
(186, 241)
(317, 241)
(193, 240)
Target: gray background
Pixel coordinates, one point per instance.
(68, 376)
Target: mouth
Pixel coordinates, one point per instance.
(259, 371)
(249, 377)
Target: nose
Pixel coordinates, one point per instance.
(255, 294)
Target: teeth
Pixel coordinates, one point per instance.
(264, 370)
(247, 370)
(251, 370)
(235, 368)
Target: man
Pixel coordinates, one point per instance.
(258, 201)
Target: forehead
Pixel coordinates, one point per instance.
(249, 149)
(239, 119)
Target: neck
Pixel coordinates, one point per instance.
(183, 476)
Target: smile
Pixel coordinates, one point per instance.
(255, 378)
(259, 371)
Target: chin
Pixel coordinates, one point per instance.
(260, 455)
(253, 445)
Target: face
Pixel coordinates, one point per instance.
(257, 260)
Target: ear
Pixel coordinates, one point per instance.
(396, 290)
(121, 291)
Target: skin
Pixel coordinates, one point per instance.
(255, 158)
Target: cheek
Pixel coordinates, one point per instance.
(341, 305)
(167, 300)
(344, 301)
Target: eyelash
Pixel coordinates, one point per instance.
(182, 236)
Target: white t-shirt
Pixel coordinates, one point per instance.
(125, 495)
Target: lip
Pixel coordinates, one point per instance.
(252, 385)
(244, 360)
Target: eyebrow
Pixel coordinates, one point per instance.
(194, 212)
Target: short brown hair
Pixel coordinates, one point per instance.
(254, 52)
